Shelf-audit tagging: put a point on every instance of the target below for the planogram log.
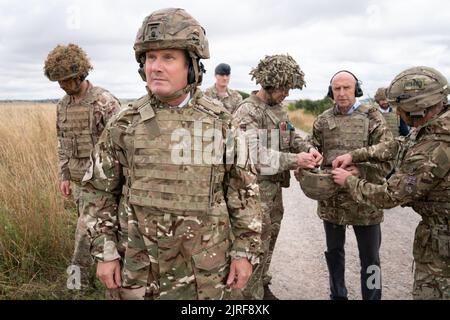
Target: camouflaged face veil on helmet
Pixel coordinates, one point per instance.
(173, 28)
(417, 89)
(279, 72)
(380, 95)
(65, 62)
(317, 184)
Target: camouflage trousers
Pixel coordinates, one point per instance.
(272, 207)
(81, 257)
(432, 260)
(428, 286)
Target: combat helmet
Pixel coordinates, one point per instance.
(380, 95)
(317, 184)
(173, 28)
(65, 62)
(417, 89)
(278, 72)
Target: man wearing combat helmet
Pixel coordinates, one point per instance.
(170, 219)
(347, 126)
(277, 148)
(394, 122)
(422, 174)
(220, 90)
(82, 115)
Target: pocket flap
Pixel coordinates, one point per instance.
(212, 258)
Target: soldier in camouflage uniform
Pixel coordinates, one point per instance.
(82, 115)
(220, 91)
(348, 126)
(172, 215)
(395, 123)
(422, 177)
(262, 116)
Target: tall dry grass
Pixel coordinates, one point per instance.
(301, 120)
(36, 233)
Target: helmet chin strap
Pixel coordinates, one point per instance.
(177, 94)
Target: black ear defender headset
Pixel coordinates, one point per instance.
(358, 90)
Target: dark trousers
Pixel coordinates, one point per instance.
(369, 242)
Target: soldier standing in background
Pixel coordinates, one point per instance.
(261, 116)
(348, 126)
(220, 91)
(395, 123)
(422, 175)
(168, 218)
(82, 115)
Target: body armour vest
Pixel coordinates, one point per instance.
(393, 122)
(177, 166)
(78, 133)
(340, 135)
(436, 203)
(278, 127)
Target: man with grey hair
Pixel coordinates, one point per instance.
(347, 126)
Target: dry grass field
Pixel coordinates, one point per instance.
(301, 120)
(36, 224)
(36, 231)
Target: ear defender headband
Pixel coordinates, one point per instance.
(358, 90)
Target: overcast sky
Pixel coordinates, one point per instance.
(373, 39)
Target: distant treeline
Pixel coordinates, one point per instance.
(314, 107)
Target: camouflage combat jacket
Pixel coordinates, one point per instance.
(167, 202)
(421, 181)
(231, 101)
(335, 134)
(78, 128)
(269, 127)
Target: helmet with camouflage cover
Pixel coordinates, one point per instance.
(278, 72)
(65, 62)
(417, 89)
(317, 184)
(173, 28)
(380, 95)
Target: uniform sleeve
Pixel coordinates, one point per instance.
(107, 106)
(422, 169)
(63, 159)
(267, 161)
(244, 207)
(103, 182)
(383, 151)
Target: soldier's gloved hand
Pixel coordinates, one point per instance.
(65, 188)
(342, 161)
(318, 158)
(109, 274)
(340, 175)
(306, 160)
(240, 271)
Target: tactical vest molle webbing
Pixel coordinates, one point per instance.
(159, 184)
(437, 200)
(275, 118)
(78, 132)
(344, 133)
(393, 122)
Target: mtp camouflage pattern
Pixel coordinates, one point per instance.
(174, 226)
(231, 101)
(335, 134)
(78, 127)
(421, 181)
(253, 116)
